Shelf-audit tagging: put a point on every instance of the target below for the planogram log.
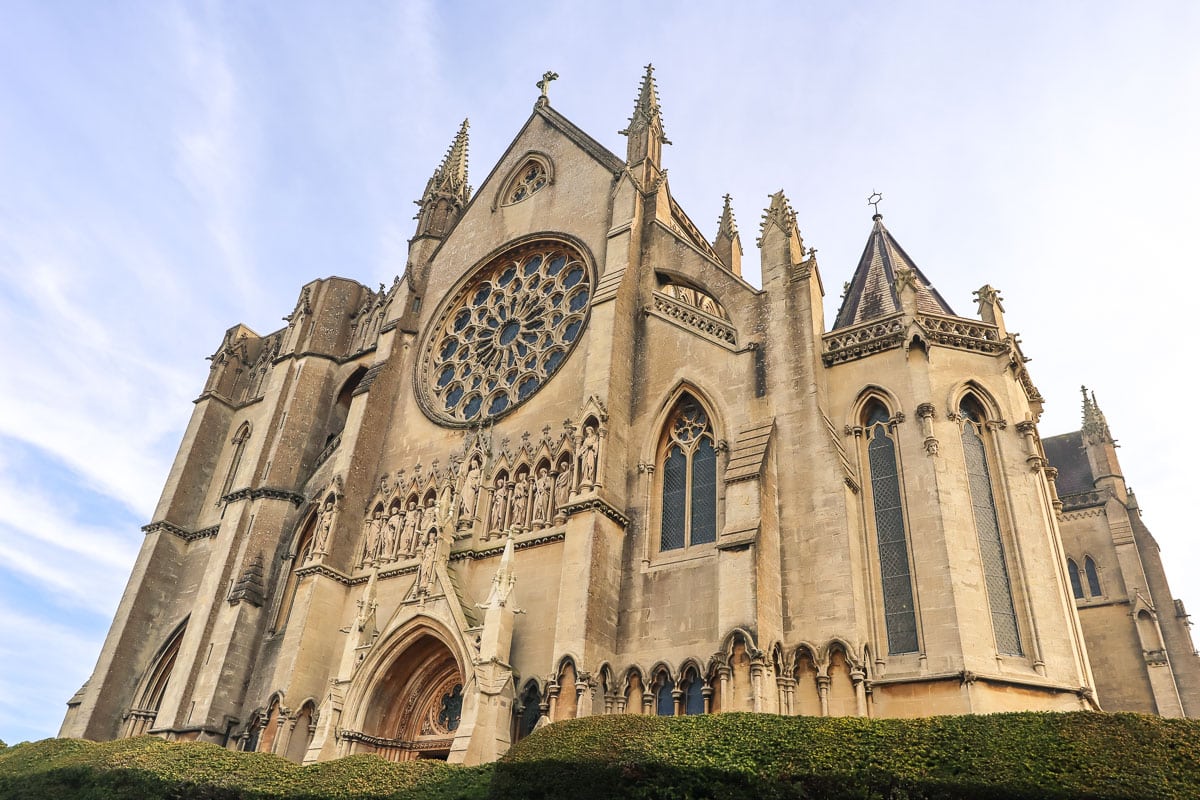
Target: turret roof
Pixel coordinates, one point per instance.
(872, 293)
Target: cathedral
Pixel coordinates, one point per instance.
(572, 463)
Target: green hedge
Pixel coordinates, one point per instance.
(1001, 756)
(148, 768)
(727, 756)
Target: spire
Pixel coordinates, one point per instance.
(872, 292)
(447, 191)
(645, 130)
(1095, 426)
(728, 243)
(503, 581)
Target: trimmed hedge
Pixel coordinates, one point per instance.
(728, 756)
(1060, 756)
(148, 768)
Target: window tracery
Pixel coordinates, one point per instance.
(1093, 577)
(899, 609)
(529, 180)
(689, 478)
(695, 298)
(987, 528)
(505, 333)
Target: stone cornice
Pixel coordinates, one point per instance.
(267, 492)
(164, 526)
(596, 504)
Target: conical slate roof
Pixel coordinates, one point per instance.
(872, 292)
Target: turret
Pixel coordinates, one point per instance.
(1101, 448)
(728, 243)
(645, 132)
(446, 193)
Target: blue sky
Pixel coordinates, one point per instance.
(170, 169)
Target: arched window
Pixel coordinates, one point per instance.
(987, 527)
(1093, 578)
(664, 696)
(899, 610)
(529, 180)
(688, 459)
(693, 692)
(144, 713)
(1076, 583)
(304, 541)
(531, 709)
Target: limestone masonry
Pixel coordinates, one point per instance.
(572, 463)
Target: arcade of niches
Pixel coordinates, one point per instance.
(572, 463)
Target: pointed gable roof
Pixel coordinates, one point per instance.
(872, 293)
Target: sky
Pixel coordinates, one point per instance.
(170, 169)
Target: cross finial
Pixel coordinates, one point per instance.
(544, 85)
(873, 201)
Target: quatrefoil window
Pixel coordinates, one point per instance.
(505, 333)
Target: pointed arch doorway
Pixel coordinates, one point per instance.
(414, 703)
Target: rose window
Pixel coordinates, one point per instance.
(505, 333)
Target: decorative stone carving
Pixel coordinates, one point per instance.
(589, 451)
(408, 535)
(468, 497)
(520, 502)
(543, 489)
(499, 506)
(372, 531)
(324, 530)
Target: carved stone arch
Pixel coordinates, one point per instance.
(717, 416)
(406, 698)
(272, 720)
(564, 695)
(147, 698)
(730, 639)
(808, 678)
(839, 670)
(303, 725)
(530, 706)
(779, 659)
(856, 413)
(517, 176)
(973, 388)
(836, 644)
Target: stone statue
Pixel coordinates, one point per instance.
(429, 522)
(589, 451)
(425, 569)
(408, 536)
(543, 488)
(324, 529)
(562, 486)
(371, 534)
(469, 497)
(520, 503)
(499, 505)
(390, 533)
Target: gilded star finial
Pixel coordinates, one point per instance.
(544, 85)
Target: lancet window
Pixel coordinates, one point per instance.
(987, 528)
(688, 459)
(1076, 583)
(1093, 577)
(891, 536)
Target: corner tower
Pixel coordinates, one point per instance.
(954, 511)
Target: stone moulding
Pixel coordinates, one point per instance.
(596, 504)
(863, 340)
(182, 533)
(1071, 502)
(269, 492)
(889, 332)
(689, 317)
(401, 744)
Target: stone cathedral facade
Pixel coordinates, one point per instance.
(572, 463)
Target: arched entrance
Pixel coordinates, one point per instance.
(414, 705)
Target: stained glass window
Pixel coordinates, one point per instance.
(665, 698)
(693, 696)
(689, 479)
(531, 179)
(1093, 579)
(451, 711)
(504, 334)
(1076, 584)
(531, 699)
(899, 610)
(987, 527)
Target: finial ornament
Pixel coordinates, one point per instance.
(873, 201)
(544, 85)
